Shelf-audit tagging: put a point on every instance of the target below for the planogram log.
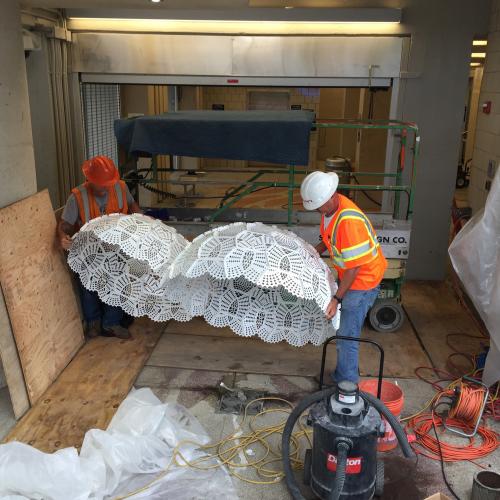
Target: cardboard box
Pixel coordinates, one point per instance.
(438, 496)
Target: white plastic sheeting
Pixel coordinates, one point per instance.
(137, 446)
(475, 254)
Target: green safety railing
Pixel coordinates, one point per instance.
(407, 130)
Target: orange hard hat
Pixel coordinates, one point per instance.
(101, 171)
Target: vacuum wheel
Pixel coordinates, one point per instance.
(386, 316)
(379, 480)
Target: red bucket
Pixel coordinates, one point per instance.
(392, 397)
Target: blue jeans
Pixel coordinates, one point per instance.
(355, 306)
(96, 310)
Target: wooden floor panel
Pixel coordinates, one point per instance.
(197, 345)
(88, 391)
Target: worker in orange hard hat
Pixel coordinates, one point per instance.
(102, 193)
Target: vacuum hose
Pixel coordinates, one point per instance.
(303, 405)
(338, 485)
(393, 421)
(308, 401)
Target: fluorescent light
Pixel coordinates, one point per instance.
(232, 27)
(478, 43)
(474, 64)
(478, 55)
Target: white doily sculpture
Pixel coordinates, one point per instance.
(125, 259)
(265, 255)
(249, 310)
(256, 279)
(262, 281)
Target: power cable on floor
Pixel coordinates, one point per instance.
(228, 449)
(443, 472)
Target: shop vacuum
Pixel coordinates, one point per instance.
(346, 422)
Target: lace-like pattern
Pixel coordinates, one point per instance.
(140, 237)
(265, 255)
(124, 281)
(255, 279)
(249, 310)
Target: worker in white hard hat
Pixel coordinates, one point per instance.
(349, 237)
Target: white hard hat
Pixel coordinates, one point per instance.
(317, 188)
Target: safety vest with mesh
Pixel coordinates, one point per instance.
(352, 242)
(87, 204)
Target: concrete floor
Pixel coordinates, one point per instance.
(196, 389)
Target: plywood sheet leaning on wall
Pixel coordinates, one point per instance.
(11, 364)
(38, 292)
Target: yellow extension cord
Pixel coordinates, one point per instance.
(225, 456)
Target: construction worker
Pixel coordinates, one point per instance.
(349, 237)
(102, 193)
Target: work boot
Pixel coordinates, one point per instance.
(93, 329)
(116, 331)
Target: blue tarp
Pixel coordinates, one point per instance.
(265, 136)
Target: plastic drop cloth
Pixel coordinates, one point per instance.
(133, 451)
(475, 255)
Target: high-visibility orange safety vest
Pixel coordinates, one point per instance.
(87, 205)
(352, 242)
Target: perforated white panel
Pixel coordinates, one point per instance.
(256, 279)
(265, 255)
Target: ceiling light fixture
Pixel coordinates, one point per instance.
(479, 43)
(474, 64)
(79, 24)
(478, 55)
(156, 1)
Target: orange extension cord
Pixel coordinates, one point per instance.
(463, 416)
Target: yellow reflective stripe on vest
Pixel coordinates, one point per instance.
(349, 213)
(356, 251)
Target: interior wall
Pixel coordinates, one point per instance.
(366, 149)
(42, 121)
(486, 156)
(134, 100)
(17, 161)
(432, 94)
(236, 99)
(476, 77)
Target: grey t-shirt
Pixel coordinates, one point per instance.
(71, 213)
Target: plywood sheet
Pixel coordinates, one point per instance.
(88, 391)
(38, 293)
(12, 365)
(221, 350)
